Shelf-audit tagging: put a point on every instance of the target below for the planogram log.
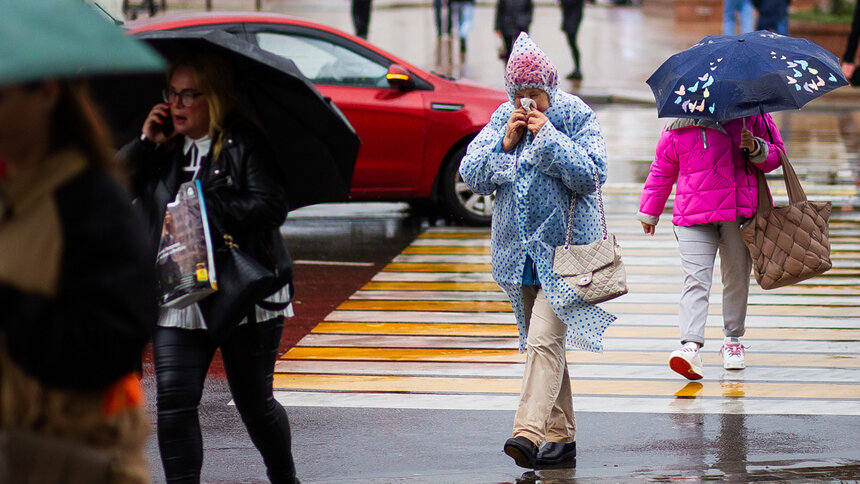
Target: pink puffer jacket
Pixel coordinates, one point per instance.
(715, 184)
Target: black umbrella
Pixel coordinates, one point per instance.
(732, 76)
(314, 143)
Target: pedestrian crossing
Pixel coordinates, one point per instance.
(433, 331)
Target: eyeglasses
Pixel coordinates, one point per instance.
(186, 96)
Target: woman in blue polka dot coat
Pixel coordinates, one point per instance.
(540, 153)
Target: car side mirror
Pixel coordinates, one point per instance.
(399, 78)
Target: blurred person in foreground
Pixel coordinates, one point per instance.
(541, 154)
(76, 287)
(77, 282)
(214, 143)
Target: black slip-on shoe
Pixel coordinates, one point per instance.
(556, 454)
(575, 75)
(523, 451)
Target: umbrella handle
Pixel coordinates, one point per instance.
(745, 152)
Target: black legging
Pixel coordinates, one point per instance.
(574, 49)
(509, 40)
(182, 358)
(571, 23)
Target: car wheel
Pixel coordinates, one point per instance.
(462, 203)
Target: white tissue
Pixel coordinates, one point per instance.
(528, 103)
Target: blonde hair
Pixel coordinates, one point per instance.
(215, 80)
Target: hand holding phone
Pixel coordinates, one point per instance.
(167, 123)
(158, 126)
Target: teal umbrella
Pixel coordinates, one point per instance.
(65, 38)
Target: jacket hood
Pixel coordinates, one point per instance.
(529, 67)
(679, 123)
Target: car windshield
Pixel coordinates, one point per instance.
(324, 62)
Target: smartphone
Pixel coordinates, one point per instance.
(167, 124)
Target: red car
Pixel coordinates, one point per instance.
(414, 125)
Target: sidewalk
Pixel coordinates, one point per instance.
(620, 46)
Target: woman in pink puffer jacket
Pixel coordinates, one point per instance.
(716, 191)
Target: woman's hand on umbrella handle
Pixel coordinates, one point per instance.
(648, 228)
(152, 126)
(848, 69)
(748, 143)
(515, 129)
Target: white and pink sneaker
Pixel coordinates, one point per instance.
(687, 362)
(733, 353)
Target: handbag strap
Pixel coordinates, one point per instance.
(568, 233)
(227, 238)
(792, 186)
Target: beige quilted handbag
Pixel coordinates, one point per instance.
(788, 243)
(594, 270)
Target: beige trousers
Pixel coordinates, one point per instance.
(545, 411)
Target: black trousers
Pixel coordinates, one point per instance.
(509, 40)
(572, 18)
(182, 358)
(361, 17)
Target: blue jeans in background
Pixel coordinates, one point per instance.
(745, 11)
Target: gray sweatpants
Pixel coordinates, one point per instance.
(698, 245)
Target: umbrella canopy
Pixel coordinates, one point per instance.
(64, 38)
(731, 76)
(315, 145)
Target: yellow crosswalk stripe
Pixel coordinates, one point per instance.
(425, 329)
(372, 305)
(510, 330)
(422, 267)
(447, 250)
(431, 286)
(374, 383)
(455, 235)
(473, 355)
(612, 307)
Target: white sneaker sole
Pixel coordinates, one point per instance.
(734, 366)
(684, 368)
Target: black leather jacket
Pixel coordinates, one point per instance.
(242, 189)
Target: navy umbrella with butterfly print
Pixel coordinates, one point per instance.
(732, 76)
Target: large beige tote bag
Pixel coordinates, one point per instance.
(789, 243)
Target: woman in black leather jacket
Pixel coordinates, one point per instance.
(230, 156)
